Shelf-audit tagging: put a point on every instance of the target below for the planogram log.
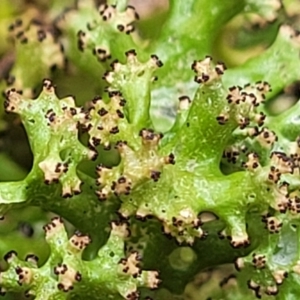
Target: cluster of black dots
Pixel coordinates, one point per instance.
(131, 57)
(64, 271)
(253, 162)
(184, 229)
(205, 73)
(295, 153)
(24, 273)
(130, 265)
(233, 153)
(271, 290)
(281, 164)
(59, 169)
(107, 13)
(121, 186)
(294, 204)
(106, 118)
(242, 242)
(11, 100)
(18, 30)
(150, 137)
(272, 223)
(135, 295)
(27, 32)
(266, 137)
(259, 262)
(80, 241)
(250, 96)
(55, 222)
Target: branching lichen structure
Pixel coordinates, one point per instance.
(170, 135)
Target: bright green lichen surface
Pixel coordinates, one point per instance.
(151, 160)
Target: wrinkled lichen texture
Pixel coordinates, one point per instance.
(223, 153)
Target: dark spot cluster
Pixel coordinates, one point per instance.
(60, 269)
(253, 162)
(68, 277)
(294, 204)
(260, 118)
(232, 154)
(272, 224)
(201, 78)
(205, 71)
(259, 261)
(267, 137)
(157, 61)
(243, 122)
(59, 169)
(263, 86)
(271, 289)
(12, 98)
(24, 274)
(130, 265)
(107, 12)
(106, 117)
(69, 194)
(17, 29)
(121, 186)
(283, 163)
(155, 175)
(150, 137)
(243, 243)
(182, 227)
(15, 25)
(80, 241)
(53, 224)
(48, 85)
(133, 296)
(250, 97)
(100, 168)
(274, 174)
(236, 95)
